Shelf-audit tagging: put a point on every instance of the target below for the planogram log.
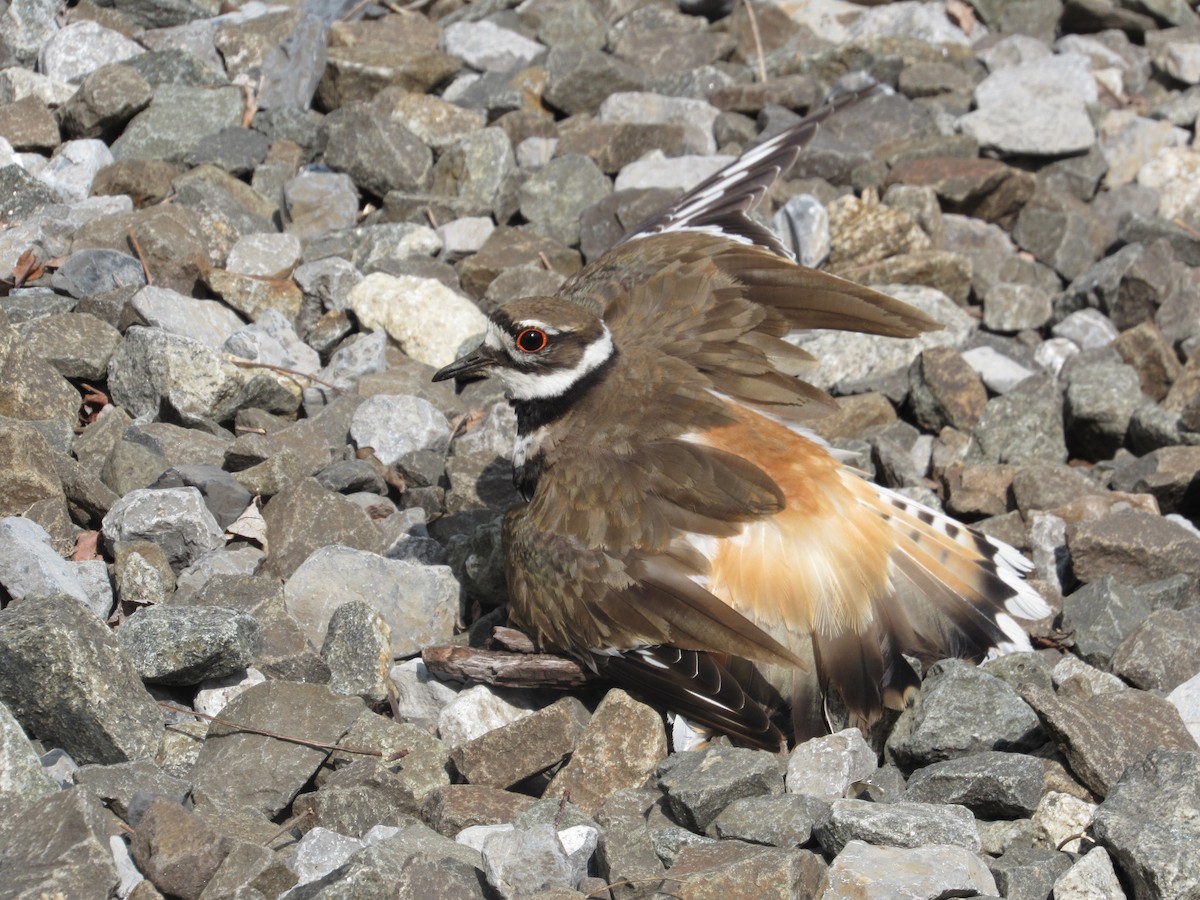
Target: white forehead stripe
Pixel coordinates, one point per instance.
(556, 382)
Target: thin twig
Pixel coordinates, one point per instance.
(137, 248)
(290, 738)
(1079, 836)
(1179, 223)
(282, 370)
(609, 887)
(758, 47)
(288, 826)
(545, 261)
(433, 222)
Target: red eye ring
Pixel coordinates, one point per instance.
(532, 340)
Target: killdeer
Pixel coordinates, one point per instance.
(684, 533)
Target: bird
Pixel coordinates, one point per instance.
(683, 531)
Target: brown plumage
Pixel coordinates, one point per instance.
(684, 533)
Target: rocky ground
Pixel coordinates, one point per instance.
(238, 241)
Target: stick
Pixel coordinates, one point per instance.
(758, 47)
(137, 248)
(527, 670)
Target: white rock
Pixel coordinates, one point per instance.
(207, 321)
(1186, 699)
(1091, 878)
(486, 46)
(535, 152)
(1061, 816)
(1088, 329)
(29, 566)
(74, 166)
(420, 697)
(82, 47)
(678, 173)
(429, 321)
(395, 425)
(480, 709)
(825, 767)
(1175, 174)
(1000, 373)
(319, 852)
(1073, 667)
(462, 237)
(1053, 354)
(215, 693)
(474, 836)
(266, 254)
(864, 872)
(829, 20)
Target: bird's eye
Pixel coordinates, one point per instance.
(532, 340)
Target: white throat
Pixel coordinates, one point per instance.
(556, 382)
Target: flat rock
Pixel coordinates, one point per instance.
(1104, 734)
(701, 783)
(239, 768)
(864, 872)
(513, 752)
(67, 681)
(992, 785)
(620, 747)
(1145, 825)
(901, 824)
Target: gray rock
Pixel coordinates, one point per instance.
(1162, 652)
(59, 845)
(786, 820)
(318, 202)
(223, 496)
(1013, 307)
(554, 197)
(1087, 328)
(579, 80)
(207, 321)
(24, 780)
(77, 345)
(803, 224)
(522, 862)
(860, 358)
(960, 711)
(30, 569)
(413, 862)
(239, 768)
(1144, 825)
(123, 787)
(395, 426)
(1035, 107)
(826, 767)
(64, 678)
(1026, 874)
(235, 150)
(1090, 876)
(1100, 616)
(862, 870)
(379, 154)
(474, 171)
(1023, 426)
(73, 167)
(82, 47)
(1100, 400)
(420, 604)
(186, 645)
(992, 785)
(175, 518)
(94, 270)
(902, 824)
(152, 367)
(358, 649)
(509, 754)
(1000, 372)
(701, 783)
(176, 120)
(620, 747)
(484, 45)
(1103, 734)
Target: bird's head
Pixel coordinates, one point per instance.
(539, 348)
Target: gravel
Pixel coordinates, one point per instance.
(235, 248)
